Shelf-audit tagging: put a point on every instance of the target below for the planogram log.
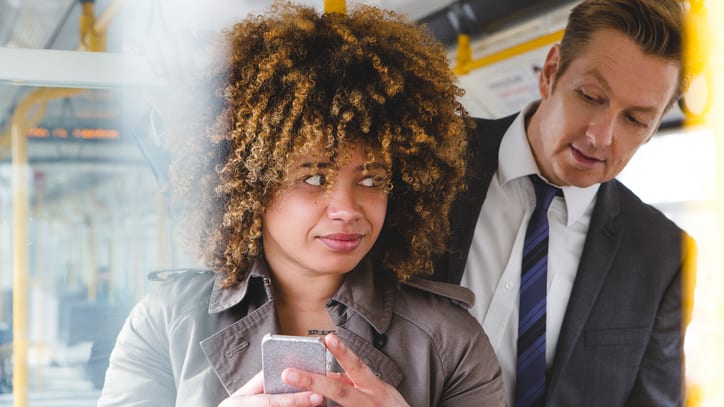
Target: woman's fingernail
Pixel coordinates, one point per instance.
(316, 399)
(333, 340)
(292, 376)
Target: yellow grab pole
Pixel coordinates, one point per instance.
(464, 55)
(90, 38)
(39, 96)
(508, 52)
(19, 126)
(20, 170)
(335, 6)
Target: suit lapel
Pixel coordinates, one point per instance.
(602, 243)
(482, 161)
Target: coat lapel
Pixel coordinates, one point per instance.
(247, 313)
(383, 367)
(602, 244)
(238, 345)
(371, 296)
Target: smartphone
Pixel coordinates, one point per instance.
(279, 352)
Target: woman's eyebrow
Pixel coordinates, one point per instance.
(375, 166)
(359, 168)
(315, 165)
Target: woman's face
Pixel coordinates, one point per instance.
(312, 228)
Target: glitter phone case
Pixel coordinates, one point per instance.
(279, 352)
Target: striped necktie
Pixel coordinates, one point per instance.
(530, 386)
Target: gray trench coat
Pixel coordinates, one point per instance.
(193, 344)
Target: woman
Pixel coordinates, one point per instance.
(320, 192)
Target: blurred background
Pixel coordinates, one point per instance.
(83, 209)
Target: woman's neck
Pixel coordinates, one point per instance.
(301, 301)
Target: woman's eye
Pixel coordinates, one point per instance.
(368, 182)
(316, 180)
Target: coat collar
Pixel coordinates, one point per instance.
(358, 292)
(224, 298)
(234, 352)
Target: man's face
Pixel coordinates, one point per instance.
(593, 117)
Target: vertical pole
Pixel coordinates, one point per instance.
(161, 222)
(335, 6)
(92, 259)
(20, 179)
(716, 122)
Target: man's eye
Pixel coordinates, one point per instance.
(316, 180)
(636, 122)
(588, 98)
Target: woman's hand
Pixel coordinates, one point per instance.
(358, 386)
(252, 395)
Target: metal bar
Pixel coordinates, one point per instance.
(75, 69)
(335, 6)
(104, 20)
(509, 52)
(20, 182)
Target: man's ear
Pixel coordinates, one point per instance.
(547, 76)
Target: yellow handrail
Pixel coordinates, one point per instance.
(20, 182)
(335, 6)
(468, 64)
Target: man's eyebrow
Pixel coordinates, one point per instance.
(599, 78)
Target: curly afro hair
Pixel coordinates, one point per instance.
(294, 79)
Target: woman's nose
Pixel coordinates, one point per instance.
(343, 204)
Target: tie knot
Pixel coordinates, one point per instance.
(544, 192)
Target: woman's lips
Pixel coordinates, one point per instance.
(342, 242)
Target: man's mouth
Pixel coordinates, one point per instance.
(583, 158)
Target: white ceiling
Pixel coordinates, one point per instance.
(208, 14)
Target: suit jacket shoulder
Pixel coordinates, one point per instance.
(482, 158)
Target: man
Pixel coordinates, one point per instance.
(607, 329)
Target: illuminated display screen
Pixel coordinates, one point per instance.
(75, 133)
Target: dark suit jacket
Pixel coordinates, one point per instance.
(621, 338)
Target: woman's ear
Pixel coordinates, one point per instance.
(547, 76)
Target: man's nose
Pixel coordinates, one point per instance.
(600, 130)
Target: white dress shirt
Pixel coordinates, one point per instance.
(493, 267)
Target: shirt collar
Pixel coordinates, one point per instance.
(516, 160)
